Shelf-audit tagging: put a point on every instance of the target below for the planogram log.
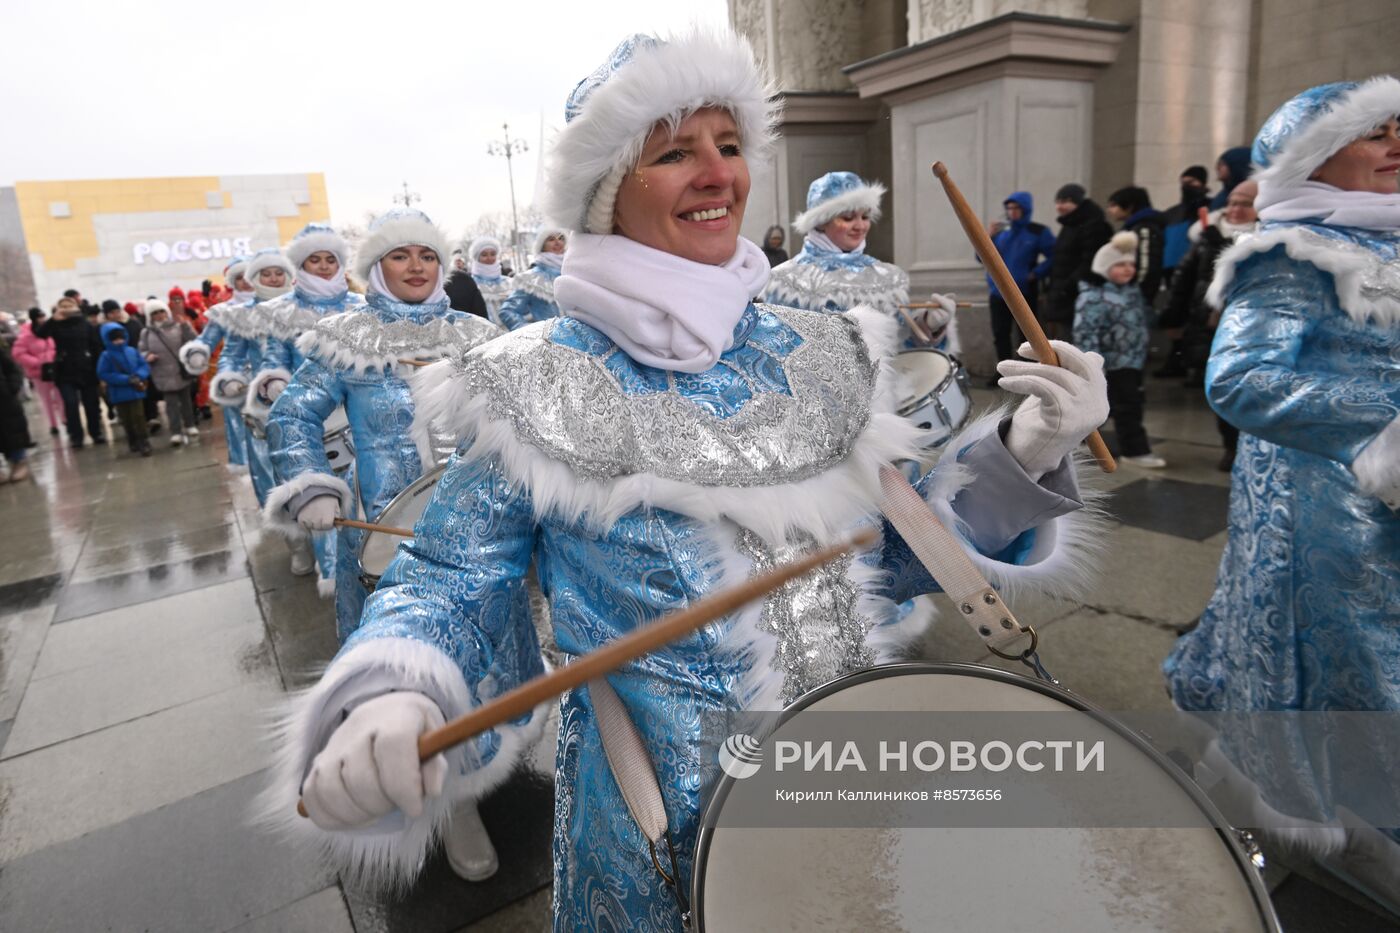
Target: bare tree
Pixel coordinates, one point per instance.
(16, 277)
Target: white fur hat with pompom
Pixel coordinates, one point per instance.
(1122, 248)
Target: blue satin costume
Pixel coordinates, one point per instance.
(494, 291)
(352, 360)
(250, 337)
(290, 316)
(532, 297)
(215, 333)
(615, 480)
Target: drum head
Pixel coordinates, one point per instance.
(337, 422)
(1087, 880)
(377, 549)
(920, 372)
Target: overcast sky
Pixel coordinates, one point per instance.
(371, 94)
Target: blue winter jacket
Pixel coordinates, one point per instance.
(1020, 244)
(118, 363)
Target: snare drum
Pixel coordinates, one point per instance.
(403, 511)
(933, 393)
(340, 448)
(956, 879)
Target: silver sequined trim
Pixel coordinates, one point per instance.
(364, 335)
(1380, 280)
(807, 285)
(566, 403)
(819, 633)
(535, 284)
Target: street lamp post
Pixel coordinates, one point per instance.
(408, 197)
(510, 148)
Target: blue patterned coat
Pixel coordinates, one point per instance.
(1111, 320)
(532, 298)
(636, 491)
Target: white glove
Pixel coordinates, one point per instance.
(1066, 403)
(270, 389)
(935, 320)
(370, 765)
(319, 514)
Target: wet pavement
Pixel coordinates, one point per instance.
(149, 625)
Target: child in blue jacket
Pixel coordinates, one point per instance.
(125, 373)
(1110, 318)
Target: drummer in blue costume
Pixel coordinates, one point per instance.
(195, 356)
(356, 360)
(832, 272)
(532, 295)
(484, 254)
(319, 255)
(1306, 363)
(663, 439)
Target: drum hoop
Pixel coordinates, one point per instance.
(937, 391)
(1222, 828)
(405, 493)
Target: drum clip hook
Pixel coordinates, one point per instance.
(671, 878)
(1030, 657)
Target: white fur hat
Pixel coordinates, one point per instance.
(545, 233)
(647, 80)
(399, 227)
(267, 258)
(237, 266)
(314, 238)
(1122, 248)
(153, 305)
(483, 243)
(834, 194)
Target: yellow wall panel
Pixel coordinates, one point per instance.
(228, 199)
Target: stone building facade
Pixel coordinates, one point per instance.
(1028, 95)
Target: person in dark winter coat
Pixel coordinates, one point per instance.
(77, 346)
(1178, 218)
(773, 246)
(14, 427)
(1028, 248)
(1132, 207)
(463, 295)
(126, 374)
(1084, 230)
(160, 345)
(1233, 167)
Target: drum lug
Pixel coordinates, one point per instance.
(1250, 845)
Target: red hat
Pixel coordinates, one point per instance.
(195, 300)
(130, 308)
(176, 292)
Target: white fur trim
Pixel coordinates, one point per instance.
(218, 389)
(664, 82)
(275, 508)
(1363, 109)
(269, 260)
(480, 244)
(545, 233)
(1063, 561)
(254, 406)
(190, 347)
(403, 231)
(328, 240)
(325, 586)
(1349, 269)
(865, 198)
(823, 505)
(237, 469)
(375, 858)
(1377, 467)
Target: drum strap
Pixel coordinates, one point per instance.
(952, 569)
(636, 778)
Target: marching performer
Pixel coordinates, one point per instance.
(532, 297)
(1304, 364)
(485, 256)
(318, 254)
(197, 354)
(833, 273)
(356, 360)
(663, 439)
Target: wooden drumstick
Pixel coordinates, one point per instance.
(619, 651)
(367, 526)
(932, 304)
(919, 333)
(996, 267)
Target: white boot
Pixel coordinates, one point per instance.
(469, 848)
(303, 557)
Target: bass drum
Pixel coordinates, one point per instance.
(403, 511)
(954, 880)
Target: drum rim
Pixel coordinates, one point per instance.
(1253, 879)
(920, 401)
(403, 493)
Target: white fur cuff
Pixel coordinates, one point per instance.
(275, 509)
(1377, 468)
(194, 356)
(223, 388)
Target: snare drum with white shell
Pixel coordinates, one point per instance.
(340, 447)
(933, 393)
(403, 511)
(1178, 880)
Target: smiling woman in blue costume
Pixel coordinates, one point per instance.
(484, 256)
(532, 295)
(196, 354)
(832, 272)
(354, 359)
(663, 439)
(319, 255)
(1306, 363)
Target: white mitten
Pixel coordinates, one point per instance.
(194, 356)
(319, 514)
(271, 388)
(370, 765)
(1065, 404)
(935, 320)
